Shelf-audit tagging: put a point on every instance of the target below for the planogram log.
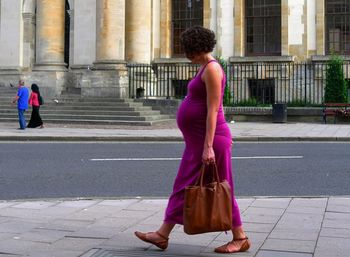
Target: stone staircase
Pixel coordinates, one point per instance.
(73, 109)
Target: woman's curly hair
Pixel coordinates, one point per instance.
(197, 40)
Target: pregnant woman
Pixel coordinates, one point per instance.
(207, 137)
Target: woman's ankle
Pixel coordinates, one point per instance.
(165, 229)
(238, 233)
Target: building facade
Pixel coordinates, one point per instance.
(84, 45)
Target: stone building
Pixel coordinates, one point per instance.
(84, 45)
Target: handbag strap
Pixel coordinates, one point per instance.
(200, 178)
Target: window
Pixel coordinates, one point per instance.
(263, 27)
(185, 14)
(263, 90)
(338, 26)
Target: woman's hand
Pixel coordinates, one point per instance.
(208, 155)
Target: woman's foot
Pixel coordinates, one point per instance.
(42, 126)
(154, 238)
(236, 245)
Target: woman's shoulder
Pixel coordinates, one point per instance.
(213, 69)
(213, 65)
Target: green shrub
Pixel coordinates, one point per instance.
(336, 85)
(248, 102)
(228, 96)
(299, 103)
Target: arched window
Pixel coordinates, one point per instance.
(185, 14)
(263, 27)
(337, 26)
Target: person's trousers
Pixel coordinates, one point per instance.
(21, 118)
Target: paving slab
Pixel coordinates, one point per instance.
(20, 247)
(33, 205)
(335, 232)
(305, 210)
(258, 227)
(289, 245)
(338, 208)
(17, 226)
(272, 203)
(332, 247)
(343, 201)
(281, 254)
(42, 235)
(335, 224)
(55, 253)
(305, 202)
(295, 234)
(76, 244)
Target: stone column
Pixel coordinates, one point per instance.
(28, 40)
(28, 34)
(239, 24)
(109, 77)
(320, 27)
(206, 13)
(50, 35)
(110, 31)
(284, 27)
(138, 31)
(165, 29)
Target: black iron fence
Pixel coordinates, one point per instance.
(258, 83)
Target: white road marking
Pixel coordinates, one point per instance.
(177, 159)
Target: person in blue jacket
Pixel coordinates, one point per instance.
(22, 103)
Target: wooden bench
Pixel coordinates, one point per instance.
(336, 110)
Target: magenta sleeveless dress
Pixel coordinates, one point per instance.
(191, 120)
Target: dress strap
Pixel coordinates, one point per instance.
(202, 70)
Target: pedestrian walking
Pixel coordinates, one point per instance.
(207, 137)
(35, 101)
(22, 103)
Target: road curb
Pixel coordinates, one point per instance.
(292, 139)
(165, 139)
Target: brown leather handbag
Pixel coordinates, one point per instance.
(208, 208)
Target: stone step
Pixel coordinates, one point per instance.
(83, 108)
(8, 90)
(97, 122)
(84, 104)
(68, 97)
(11, 95)
(72, 108)
(8, 95)
(93, 117)
(97, 99)
(87, 112)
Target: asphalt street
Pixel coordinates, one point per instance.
(60, 170)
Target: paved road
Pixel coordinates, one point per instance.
(45, 170)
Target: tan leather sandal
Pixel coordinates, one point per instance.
(163, 244)
(225, 248)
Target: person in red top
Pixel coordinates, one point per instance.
(35, 119)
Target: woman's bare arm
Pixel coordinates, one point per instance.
(212, 78)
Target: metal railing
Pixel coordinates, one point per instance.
(264, 83)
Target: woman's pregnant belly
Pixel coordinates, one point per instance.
(191, 116)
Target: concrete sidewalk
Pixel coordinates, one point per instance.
(241, 131)
(277, 227)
